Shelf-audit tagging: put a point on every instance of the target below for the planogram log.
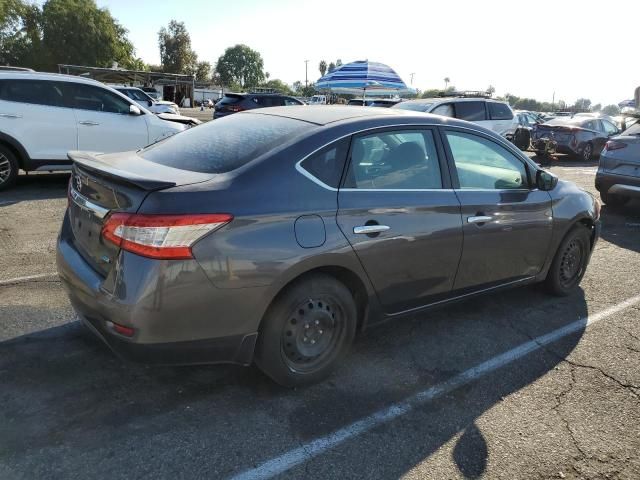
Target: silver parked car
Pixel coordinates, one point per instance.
(618, 177)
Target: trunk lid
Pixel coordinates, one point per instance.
(101, 184)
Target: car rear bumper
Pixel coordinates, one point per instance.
(617, 184)
(174, 323)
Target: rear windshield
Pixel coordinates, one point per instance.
(416, 107)
(633, 129)
(228, 100)
(223, 145)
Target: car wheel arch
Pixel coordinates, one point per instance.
(16, 148)
(365, 298)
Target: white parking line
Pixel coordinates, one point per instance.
(316, 447)
(11, 281)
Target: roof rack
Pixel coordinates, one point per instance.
(265, 90)
(466, 94)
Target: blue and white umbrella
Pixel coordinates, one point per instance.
(362, 76)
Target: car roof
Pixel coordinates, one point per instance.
(24, 75)
(452, 99)
(326, 114)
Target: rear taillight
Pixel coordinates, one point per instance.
(614, 145)
(235, 108)
(168, 237)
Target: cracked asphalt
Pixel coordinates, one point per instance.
(70, 409)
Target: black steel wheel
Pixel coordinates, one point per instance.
(570, 262)
(306, 331)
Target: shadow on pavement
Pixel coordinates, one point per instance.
(36, 186)
(69, 404)
(621, 225)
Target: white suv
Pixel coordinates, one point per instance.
(492, 114)
(44, 115)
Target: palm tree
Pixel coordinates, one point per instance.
(322, 67)
(446, 82)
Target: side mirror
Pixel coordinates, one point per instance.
(134, 110)
(546, 180)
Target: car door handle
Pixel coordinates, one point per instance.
(479, 219)
(10, 115)
(88, 123)
(369, 229)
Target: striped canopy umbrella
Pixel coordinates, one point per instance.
(361, 77)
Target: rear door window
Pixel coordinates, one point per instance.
(499, 111)
(38, 92)
(445, 110)
(225, 144)
(471, 111)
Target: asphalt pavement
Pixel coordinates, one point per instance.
(512, 385)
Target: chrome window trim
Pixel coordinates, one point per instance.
(84, 203)
(320, 183)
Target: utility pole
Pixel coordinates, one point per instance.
(553, 101)
(412, 74)
(306, 78)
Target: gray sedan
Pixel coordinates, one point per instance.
(276, 235)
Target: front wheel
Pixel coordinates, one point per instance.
(307, 331)
(570, 262)
(8, 168)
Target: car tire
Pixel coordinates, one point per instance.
(8, 168)
(306, 331)
(587, 153)
(614, 200)
(570, 262)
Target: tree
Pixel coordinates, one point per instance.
(338, 63)
(80, 33)
(308, 91)
(332, 67)
(297, 86)
(240, 65)
(322, 67)
(203, 72)
(491, 90)
(431, 93)
(176, 54)
(596, 108)
(582, 105)
(611, 110)
(20, 34)
(447, 80)
(279, 85)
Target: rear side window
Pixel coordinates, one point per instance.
(499, 111)
(225, 144)
(38, 92)
(269, 101)
(229, 100)
(327, 164)
(470, 111)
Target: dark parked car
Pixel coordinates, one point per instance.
(618, 176)
(527, 123)
(582, 137)
(237, 102)
(276, 235)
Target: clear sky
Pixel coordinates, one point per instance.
(527, 48)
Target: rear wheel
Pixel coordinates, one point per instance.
(570, 262)
(306, 331)
(8, 168)
(614, 200)
(587, 152)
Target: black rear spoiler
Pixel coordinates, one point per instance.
(91, 162)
